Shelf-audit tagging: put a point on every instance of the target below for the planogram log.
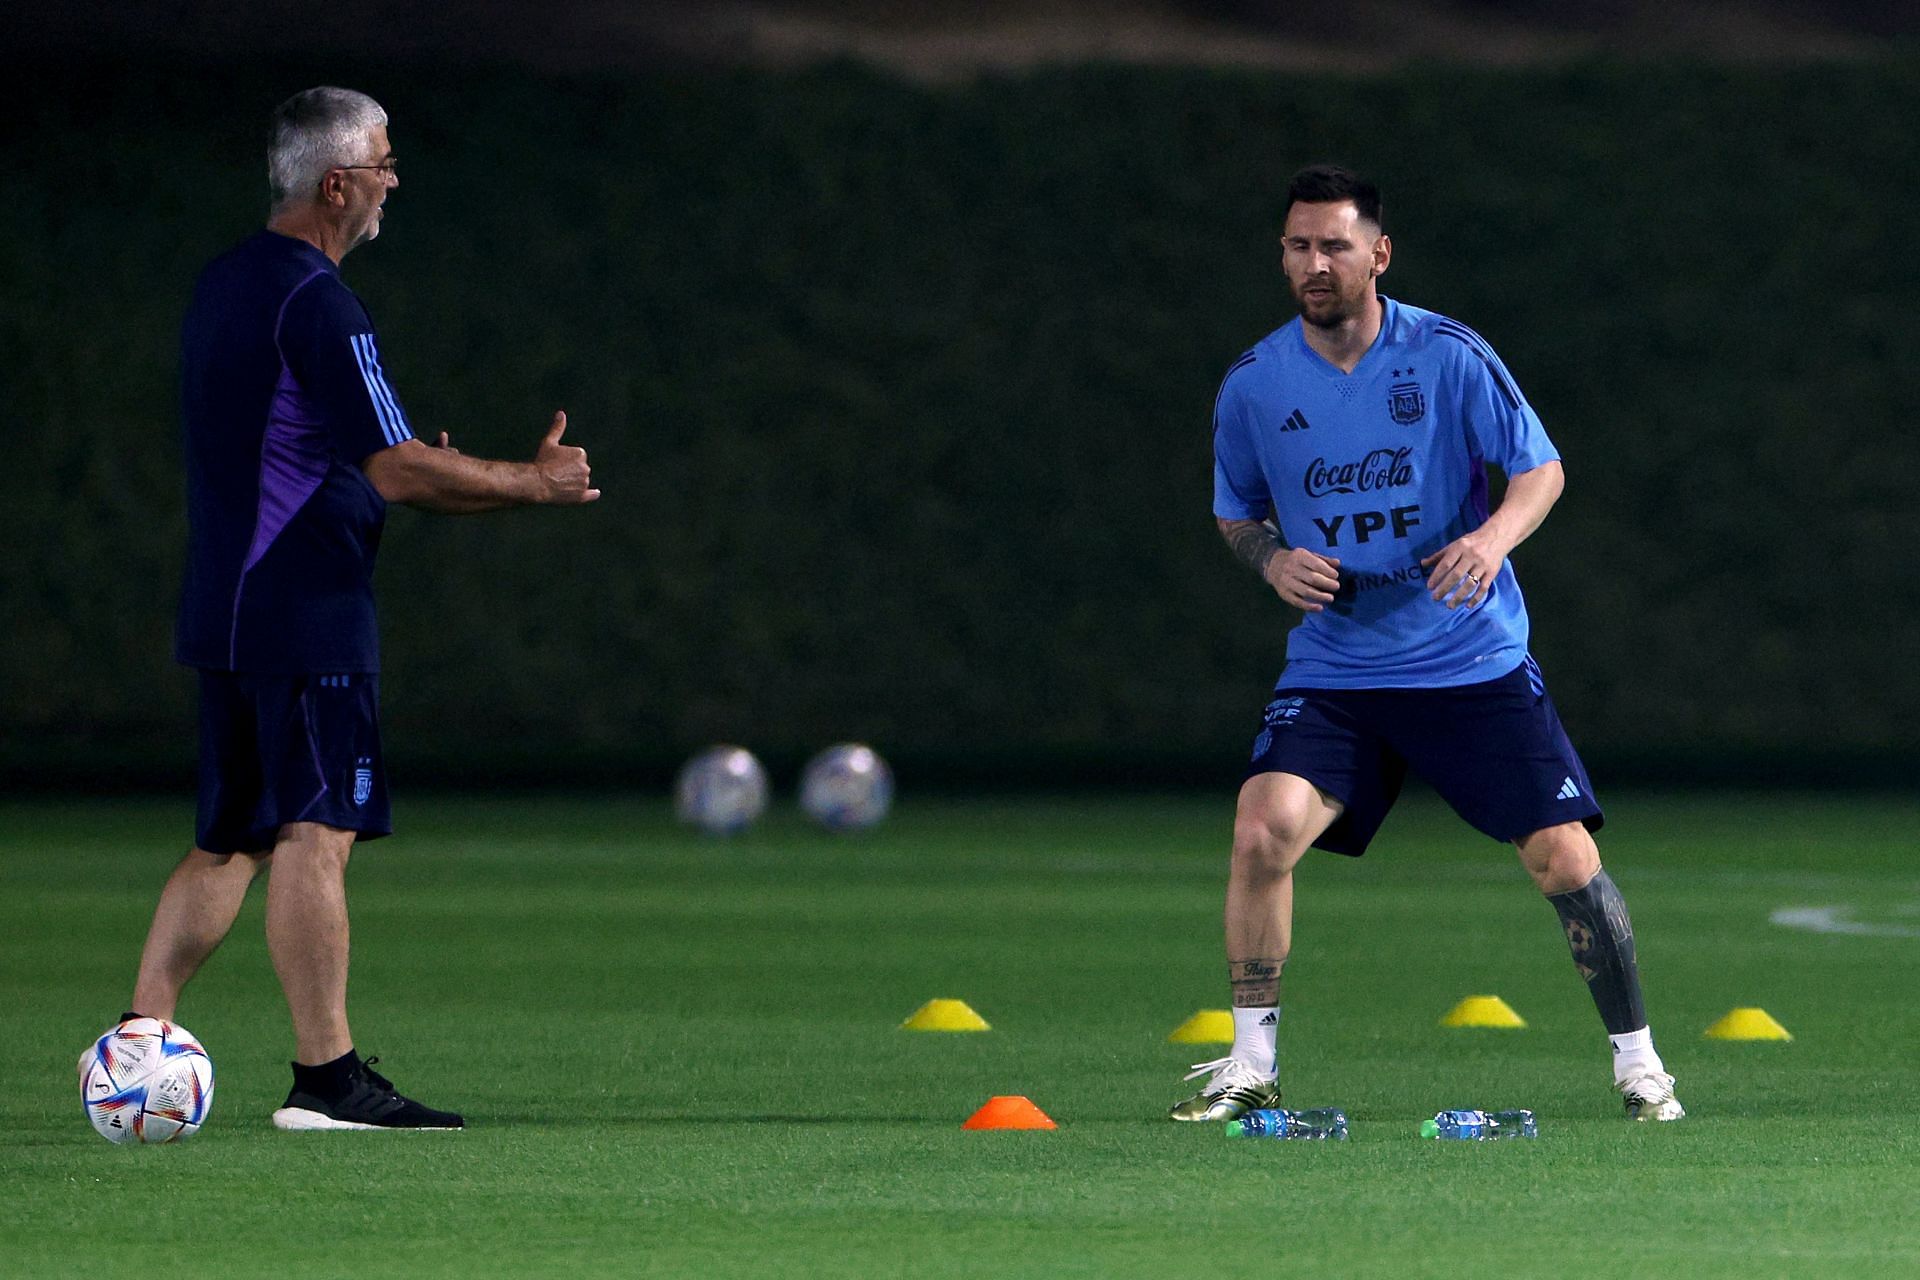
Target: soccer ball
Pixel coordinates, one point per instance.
(146, 1081)
(846, 788)
(721, 790)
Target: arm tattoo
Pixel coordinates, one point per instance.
(1252, 541)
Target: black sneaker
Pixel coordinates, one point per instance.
(370, 1102)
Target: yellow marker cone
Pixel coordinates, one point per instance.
(1209, 1026)
(1482, 1011)
(945, 1015)
(1748, 1024)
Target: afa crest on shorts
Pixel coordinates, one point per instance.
(1280, 713)
(362, 782)
(1406, 403)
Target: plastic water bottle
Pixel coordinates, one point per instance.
(1319, 1124)
(1480, 1126)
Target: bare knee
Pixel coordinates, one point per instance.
(312, 846)
(202, 867)
(238, 864)
(1272, 831)
(1560, 858)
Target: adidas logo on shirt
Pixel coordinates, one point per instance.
(1568, 791)
(1296, 421)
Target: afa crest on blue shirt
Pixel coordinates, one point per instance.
(1405, 403)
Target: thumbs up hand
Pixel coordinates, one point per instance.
(563, 468)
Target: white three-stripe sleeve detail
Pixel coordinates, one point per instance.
(396, 417)
(373, 391)
(400, 427)
(393, 424)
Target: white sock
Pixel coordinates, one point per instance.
(1633, 1055)
(1255, 1033)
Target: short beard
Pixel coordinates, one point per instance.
(1343, 311)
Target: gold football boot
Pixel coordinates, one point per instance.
(1234, 1090)
(1649, 1096)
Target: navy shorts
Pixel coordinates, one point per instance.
(276, 749)
(1494, 751)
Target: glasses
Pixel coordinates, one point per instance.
(385, 166)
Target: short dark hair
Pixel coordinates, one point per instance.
(1331, 184)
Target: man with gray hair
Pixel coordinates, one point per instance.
(295, 444)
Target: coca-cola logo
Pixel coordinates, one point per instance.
(1381, 469)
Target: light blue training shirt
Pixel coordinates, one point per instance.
(1380, 468)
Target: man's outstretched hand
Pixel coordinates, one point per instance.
(563, 469)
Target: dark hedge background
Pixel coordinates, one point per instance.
(900, 400)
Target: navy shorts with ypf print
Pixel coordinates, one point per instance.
(1495, 751)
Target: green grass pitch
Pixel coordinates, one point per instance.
(679, 1056)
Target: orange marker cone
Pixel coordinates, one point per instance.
(1012, 1112)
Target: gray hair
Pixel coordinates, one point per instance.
(313, 131)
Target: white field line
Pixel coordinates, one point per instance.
(1836, 920)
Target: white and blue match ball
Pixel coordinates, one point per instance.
(722, 790)
(847, 787)
(146, 1080)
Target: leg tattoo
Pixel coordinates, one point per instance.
(1601, 938)
(1255, 982)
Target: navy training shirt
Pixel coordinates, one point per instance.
(282, 399)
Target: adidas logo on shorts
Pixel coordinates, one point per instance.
(1568, 791)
